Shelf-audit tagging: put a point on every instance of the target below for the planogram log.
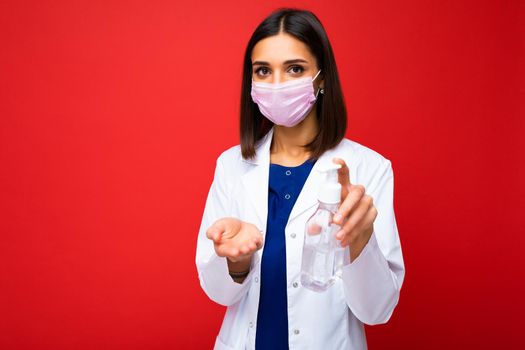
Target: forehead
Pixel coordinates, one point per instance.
(279, 48)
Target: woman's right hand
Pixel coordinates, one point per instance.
(235, 239)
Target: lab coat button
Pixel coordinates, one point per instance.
(292, 235)
(287, 196)
(256, 279)
(296, 331)
(295, 284)
(251, 324)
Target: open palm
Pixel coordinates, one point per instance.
(235, 239)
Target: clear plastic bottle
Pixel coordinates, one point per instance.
(323, 256)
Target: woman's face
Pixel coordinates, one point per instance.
(282, 57)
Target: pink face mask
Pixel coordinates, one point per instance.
(286, 103)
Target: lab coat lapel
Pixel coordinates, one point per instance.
(255, 181)
(308, 195)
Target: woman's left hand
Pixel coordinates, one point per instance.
(356, 213)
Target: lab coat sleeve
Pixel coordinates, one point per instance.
(372, 282)
(212, 269)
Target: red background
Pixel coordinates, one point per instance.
(112, 114)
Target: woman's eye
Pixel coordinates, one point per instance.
(263, 71)
(297, 69)
(258, 70)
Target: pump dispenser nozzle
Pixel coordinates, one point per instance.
(330, 191)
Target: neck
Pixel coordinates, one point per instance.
(287, 142)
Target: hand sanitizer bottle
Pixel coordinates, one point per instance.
(323, 256)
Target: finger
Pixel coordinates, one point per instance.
(369, 218)
(357, 215)
(371, 215)
(248, 250)
(234, 252)
(343, 175)
(351, 200)
(227, 250)
(210, 231)
(344, 241)
(214, 233)
(258, 243)
(244, 250)
(216, 230)
(221, 250)
(314, 228)
(252, 247)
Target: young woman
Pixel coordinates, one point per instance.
(249, 248)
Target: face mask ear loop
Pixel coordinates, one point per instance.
(316, 75)
(318, 89)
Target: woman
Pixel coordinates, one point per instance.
(293, 119)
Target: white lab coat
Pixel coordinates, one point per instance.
(369, 288)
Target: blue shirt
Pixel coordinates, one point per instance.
(285, 184)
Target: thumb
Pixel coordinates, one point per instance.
(216, 230)
(343, 176)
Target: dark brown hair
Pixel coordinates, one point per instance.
(331, 109)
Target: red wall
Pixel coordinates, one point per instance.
(112, 114)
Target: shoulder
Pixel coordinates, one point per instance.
(230, 157)
(360, 154)
(229, 164)
(367, 166)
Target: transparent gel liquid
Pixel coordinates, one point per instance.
(323, 256)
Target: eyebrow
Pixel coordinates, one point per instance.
(263, 63)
